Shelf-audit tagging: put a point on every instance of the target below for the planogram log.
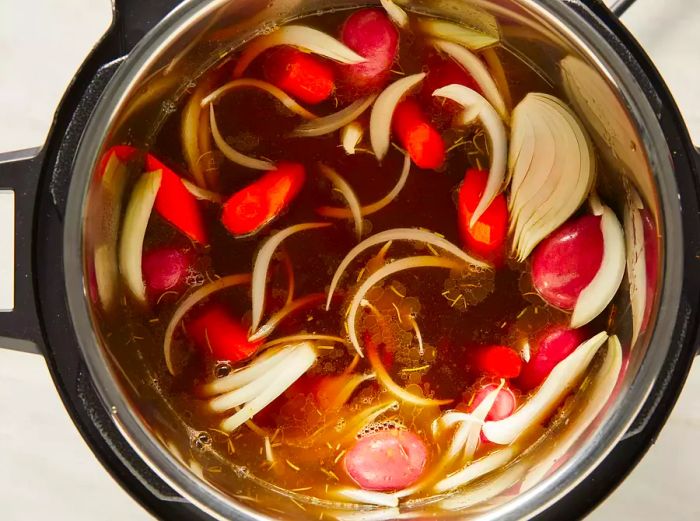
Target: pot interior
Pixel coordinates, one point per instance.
(546, 37)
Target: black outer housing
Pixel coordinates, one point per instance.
(42, 316)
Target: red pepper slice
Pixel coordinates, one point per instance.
(124, 154)
(216, 331)
(488, 235)
(495, 360)
(418, 136)
(301, 75)
(176, 204)
(256, 205)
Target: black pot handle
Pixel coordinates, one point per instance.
(134, 18)
(618, 7)
(19, 324)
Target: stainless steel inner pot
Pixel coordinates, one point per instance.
(593, 77)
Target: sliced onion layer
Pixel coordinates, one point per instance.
(271, 89)
(600, 291)
(383, 112)
(291, 339)
(552, 167)
(351, 135)
(332, 122)
(397, 15)
(136, 217)
(368, 497)
(477, 70)
(262, 263)
(479, 414)
(191, 134)
(476, 469)
(476, 106)
(420, 261)
(560, 381)
(192, 300)
(347, 192)
(401, 234)
(301, 37)
(201, 193)
(456, 33)
(344, 213)
(295, 305)
(636, 261)
(231, 153)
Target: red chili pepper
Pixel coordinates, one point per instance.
(488, 235)
(216, 331)
(124, 153)
(176, 204)
(418, 136)
(497, 361)
(301, 75)
(257, 204)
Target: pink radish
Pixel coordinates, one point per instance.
(370, 33)
(546, 351)
(166, 269)
(390, 459)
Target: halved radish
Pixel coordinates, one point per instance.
(497, 361)
(390, 459)
(418, 136)
(504, 405)
(546, 350)
(166, 269)
(443, 72)
(370, 33)
(176, 204)
(216, 331)
(299, 74)
(259, 203)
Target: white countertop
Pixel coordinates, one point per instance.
(47, 471)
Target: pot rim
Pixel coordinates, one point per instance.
(592, 43)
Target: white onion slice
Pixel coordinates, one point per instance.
(368, 497)
(332, 122)
(397, 15)
(477, 70)
(552, 168)
(560, 381)
(190, 132)
(602, 288)
(271, 89)
(420, 261)
(136, 217)
(475, 105)
(378, 514)
(455, 33)
(301, 37)
(201, 193)
(304, 336)
(255, 369)
(344, 213)
(192, 300)
(350, 136)
(636, 261)
(480, 412)
(262, 263)
(498, 73)
(231, 153)
(475, 470)
(478, 493)
(269, 327)
(347, 192)
(400, 234)
(302, 358)
(383, 111)
(597, 394)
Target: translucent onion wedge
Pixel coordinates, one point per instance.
(400, 234)
(397, 15)
(475, 105)
(367, 497)
(295, 365)
(201, 193)
(304, 336)
(346, 391)
(636, 261)
(560, 381)
(271, 89)
(262, 264)
(351, 135)
(295, 305)
(597, 393)
(332, 122)
(476, 469)
(594, 298)
(301, 37)
(552, 169)
(192, 300)
(347, 192)
(377, 514)
(483, 491)
(344, 213)
(480, 412)
(498, 73)
(456, 33)
(138, 212)
(231, 153)
(190, 132)
(383, 111)
(245, 375)
(477, 70)
(421, 261)
(395, 389)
